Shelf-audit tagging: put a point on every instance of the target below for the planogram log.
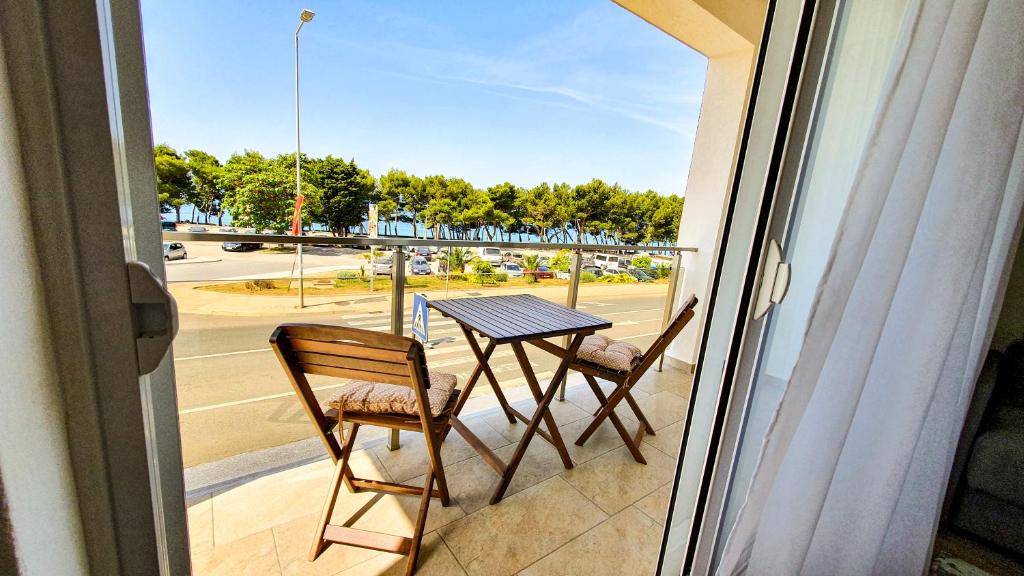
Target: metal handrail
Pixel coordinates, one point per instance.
(411, 242)
(398, 266)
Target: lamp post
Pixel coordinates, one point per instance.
(304, 16)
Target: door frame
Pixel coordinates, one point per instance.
(808, 46)
(81, 109)
(777, 215)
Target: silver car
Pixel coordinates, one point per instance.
(419, 266)
(174, 251)
(382, 266)
(512, 269)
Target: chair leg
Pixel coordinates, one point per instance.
(421, 523)
(325, 516)
(341, 472)
(632, 444)
(639, 414)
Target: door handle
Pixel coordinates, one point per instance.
(774, 281)
(154, 316)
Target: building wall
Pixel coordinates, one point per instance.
(34, 464)
(708, 185)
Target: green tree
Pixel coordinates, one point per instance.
(206, 173)
(590, 210)
(345, 192)
(440, 209)
(258, 193)
(539, 208)
(664, 225)
(504, 197)
(173, 183)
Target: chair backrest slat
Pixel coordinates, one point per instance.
(354, 350)
(353, 363)
(351, 374)
(674, 327)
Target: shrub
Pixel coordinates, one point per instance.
(642, 262)
(501, 276)
(621, 278)
(663, 270)
(257, 285)
(588, 277)
(349, 274)
(530, 263)
(560, 261)
(482, 271)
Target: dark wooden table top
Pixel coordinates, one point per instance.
(519, 317)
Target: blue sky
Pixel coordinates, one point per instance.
(524, 91)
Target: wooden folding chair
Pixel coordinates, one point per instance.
(624, 381)
(381, 359)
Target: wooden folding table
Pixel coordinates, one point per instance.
(514, 320)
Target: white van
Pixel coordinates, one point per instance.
(606, 261)
(490, 255)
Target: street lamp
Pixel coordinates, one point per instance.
(304, 16)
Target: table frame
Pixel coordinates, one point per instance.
(542, 396)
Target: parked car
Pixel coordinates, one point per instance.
(174, 251)
(542, 272)
(593, 270)
(640, 275)
(606, 261)
(168, 226)
(382, 266)
(228, 230)
(241, 246)
(197, 228)
(512, 269)
(424, 252)
(419, 266)
(490, 255)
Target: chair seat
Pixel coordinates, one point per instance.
(374, 398)
(608, 353)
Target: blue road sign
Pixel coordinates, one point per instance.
(420, 317)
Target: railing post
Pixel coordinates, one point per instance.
(397, 314)
(670, 300)
(575, 265)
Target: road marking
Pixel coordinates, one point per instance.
(251, 400)
(632, 311)
(457, 361)
(639, 335)
(219, 354)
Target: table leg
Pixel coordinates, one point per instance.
(531, 428)
(482, 365)
(531, 381)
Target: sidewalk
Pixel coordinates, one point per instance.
(193, 301)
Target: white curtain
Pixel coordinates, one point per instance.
(853, 470)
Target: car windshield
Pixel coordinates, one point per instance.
(167, 245)
(511, 266)
(384, 261)
(419, 262)
(491, 252)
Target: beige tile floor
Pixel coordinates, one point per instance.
(604, 516)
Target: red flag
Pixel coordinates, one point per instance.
(297, 215)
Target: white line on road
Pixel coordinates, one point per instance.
(640, 335)
(218, 355)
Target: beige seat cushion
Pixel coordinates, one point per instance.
(373, 398)
(612, 354)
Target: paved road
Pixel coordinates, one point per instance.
(233, 396)
(206, 261)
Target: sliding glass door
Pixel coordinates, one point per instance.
(849, 47)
